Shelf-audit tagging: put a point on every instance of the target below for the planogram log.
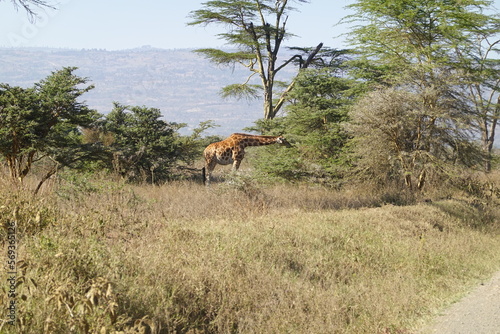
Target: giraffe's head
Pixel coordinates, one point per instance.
(282, 141)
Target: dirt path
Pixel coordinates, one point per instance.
(477, 313)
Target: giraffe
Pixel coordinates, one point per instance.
(232, 150)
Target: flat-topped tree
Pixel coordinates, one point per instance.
(256, 29)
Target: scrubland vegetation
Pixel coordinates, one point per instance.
(385, 210)
(103, 256)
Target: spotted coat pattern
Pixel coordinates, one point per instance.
(232, 150)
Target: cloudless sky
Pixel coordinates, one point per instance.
(126, 24)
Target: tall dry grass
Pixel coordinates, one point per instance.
(100, 257)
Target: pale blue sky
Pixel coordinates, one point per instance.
(125, 24)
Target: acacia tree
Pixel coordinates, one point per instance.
(313, 122)
(411, 45)
(257, 28)
(43, 121)
(408, 41)
(397, 140)
(481, 88)
(144, 147)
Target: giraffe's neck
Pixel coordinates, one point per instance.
(253, 140)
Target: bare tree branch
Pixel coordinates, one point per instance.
(28, 5)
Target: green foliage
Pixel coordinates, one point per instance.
(221, 57)
(241, 91)
(276, 163)
(19, 126)
(320, 107)
(44, 121)
(441, 53)
(144, 147)
(314, 124)
(409, 39)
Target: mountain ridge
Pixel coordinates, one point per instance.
(182, 84)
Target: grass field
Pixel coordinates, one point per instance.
(96, 256)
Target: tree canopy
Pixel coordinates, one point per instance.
(429, 49)
(410, 40)
(257, 29)
(318, 108)
(42, 121)
(144, 146)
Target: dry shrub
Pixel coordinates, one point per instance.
(411, 138)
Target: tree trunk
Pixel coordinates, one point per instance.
(20, 165)
(489, 138)
(421, 179)
(269, 112)
(408, 182)
(488, 148)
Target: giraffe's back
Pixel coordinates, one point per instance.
(232, 150)
(219, 152)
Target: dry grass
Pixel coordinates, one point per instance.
(101, 257)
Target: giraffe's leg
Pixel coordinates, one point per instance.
(208, 176)
(209, 168)
(237, 158)
(236, 165)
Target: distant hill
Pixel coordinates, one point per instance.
(182, 84)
